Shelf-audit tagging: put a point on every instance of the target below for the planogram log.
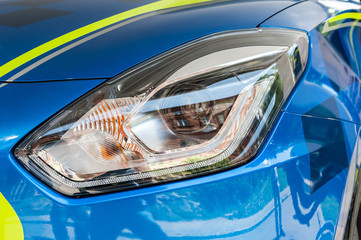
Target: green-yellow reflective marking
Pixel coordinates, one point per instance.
(351, 32)
(10, 225)
(337, 22)
(356, 16)
(52, 44)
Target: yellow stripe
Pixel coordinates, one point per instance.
(10, 225)
(52, 44)
(356, 16)
(351, 32)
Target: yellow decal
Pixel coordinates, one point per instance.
(337, 22)
(80, 32)
(356, 16)
(10, 225)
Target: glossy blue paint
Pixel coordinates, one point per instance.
(270, 197)
(122, 48)
(334, 65)
(340, 80)
(292, 189)
(330, 89)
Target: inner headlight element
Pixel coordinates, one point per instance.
(202, 107)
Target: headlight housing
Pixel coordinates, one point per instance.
(202, 107)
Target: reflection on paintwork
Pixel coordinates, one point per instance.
(338, 6)
(250, 206)
(258, 201)
(325, 142)
(333, 76)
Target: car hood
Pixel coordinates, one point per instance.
(48, 40)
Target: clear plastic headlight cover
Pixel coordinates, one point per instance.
(202, 107)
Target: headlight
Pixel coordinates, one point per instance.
(203, 107)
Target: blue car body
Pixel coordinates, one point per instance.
(302, 184)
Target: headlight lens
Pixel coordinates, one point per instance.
(205, 106)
